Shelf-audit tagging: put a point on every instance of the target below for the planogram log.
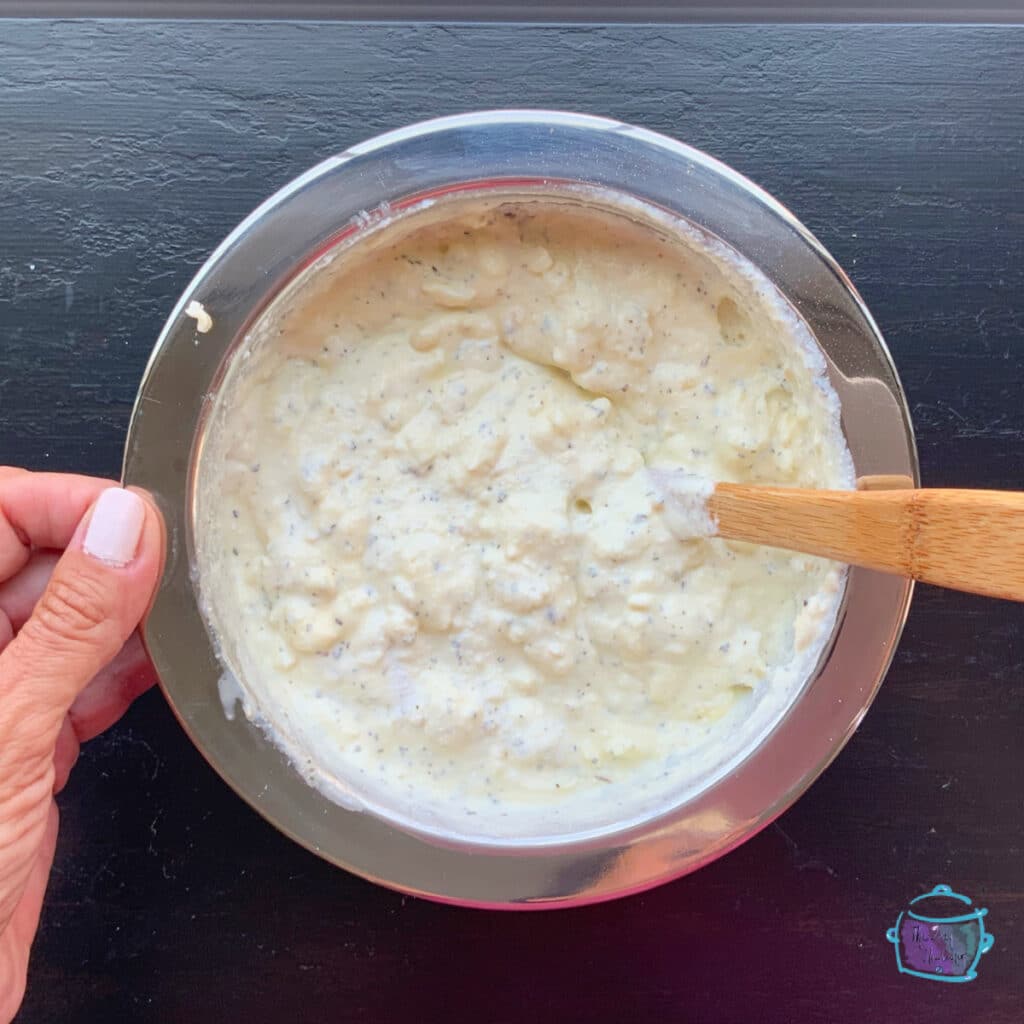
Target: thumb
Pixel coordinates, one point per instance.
(99, 591)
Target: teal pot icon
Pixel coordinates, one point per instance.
(940, 936)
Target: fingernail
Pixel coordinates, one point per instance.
(115, 527)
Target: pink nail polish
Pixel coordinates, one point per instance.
(115, 527)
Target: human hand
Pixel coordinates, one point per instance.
(70, 664)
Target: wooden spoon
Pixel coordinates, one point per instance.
(967, 540)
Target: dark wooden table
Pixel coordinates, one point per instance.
(128, 150)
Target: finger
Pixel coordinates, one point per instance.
(40, 510)
(98, 593)
(101, 704)
(65, 755)
(112, 691)
(19, 594)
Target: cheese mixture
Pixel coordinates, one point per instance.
(432, 542)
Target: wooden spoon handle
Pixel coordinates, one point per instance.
(967, 540)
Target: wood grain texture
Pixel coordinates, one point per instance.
(883, 482)
(969, 540)
(128, 151)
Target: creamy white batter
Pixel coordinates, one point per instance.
(432, 546)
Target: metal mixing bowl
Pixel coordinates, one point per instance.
(331, 204)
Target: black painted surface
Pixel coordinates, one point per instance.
(640, 11)
(128, 150)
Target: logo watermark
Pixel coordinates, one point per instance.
(941, 939)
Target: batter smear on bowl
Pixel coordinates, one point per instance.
(431, 545)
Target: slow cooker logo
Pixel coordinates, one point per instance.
(940, 936)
